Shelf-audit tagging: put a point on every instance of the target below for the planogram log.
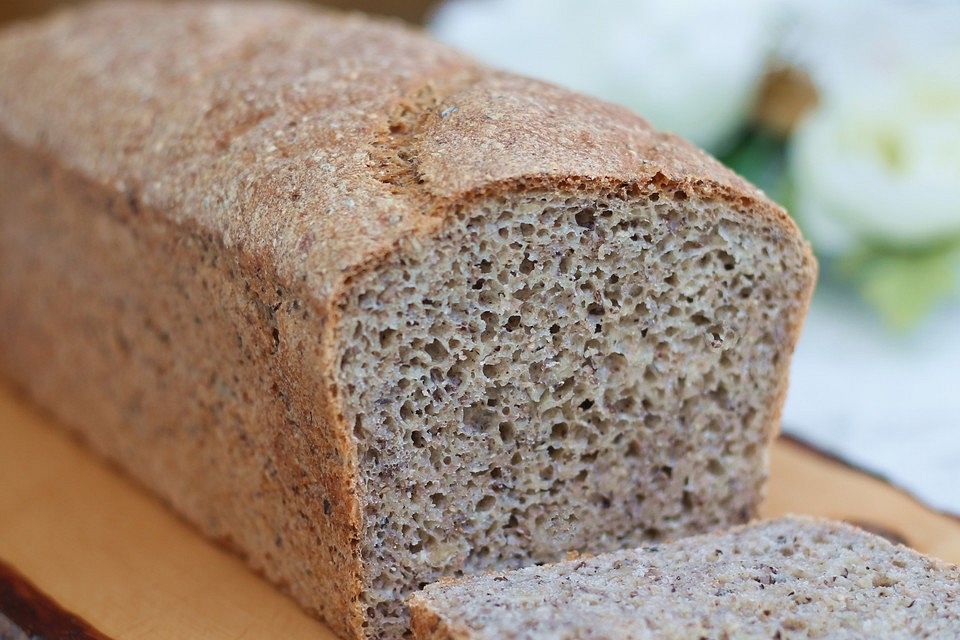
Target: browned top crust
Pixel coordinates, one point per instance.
(311, 139)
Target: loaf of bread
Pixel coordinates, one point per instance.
(370, 313)
(789, 578)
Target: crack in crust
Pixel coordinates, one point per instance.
(394, 158)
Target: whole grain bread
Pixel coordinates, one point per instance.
(787, 578)
(371, 313)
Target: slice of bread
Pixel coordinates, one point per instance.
(788, 578)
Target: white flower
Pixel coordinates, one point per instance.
(879, 160)
(689, 66)
(843, 45)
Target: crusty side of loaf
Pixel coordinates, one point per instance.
(273, 262)
(188, 363)
(788, 578)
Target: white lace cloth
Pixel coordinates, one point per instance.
(888, 403)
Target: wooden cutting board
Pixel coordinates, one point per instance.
(81, 539)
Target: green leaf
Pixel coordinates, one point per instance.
(904, 287)
(759, 157)
(903, 284)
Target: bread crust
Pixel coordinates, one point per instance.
(260, 123)
(306, 147)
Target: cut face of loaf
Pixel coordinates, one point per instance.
(371, 313)
(788, 578)
(560, 371)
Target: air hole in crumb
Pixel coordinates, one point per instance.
(565, 386)
(727, 260)
(600, 500)
(436, 350)
(477, 418)
(491, 370)
(586, 218)
(595, 309)
(486, 503)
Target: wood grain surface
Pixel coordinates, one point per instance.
(109, 553)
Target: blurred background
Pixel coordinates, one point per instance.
(848, 114)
